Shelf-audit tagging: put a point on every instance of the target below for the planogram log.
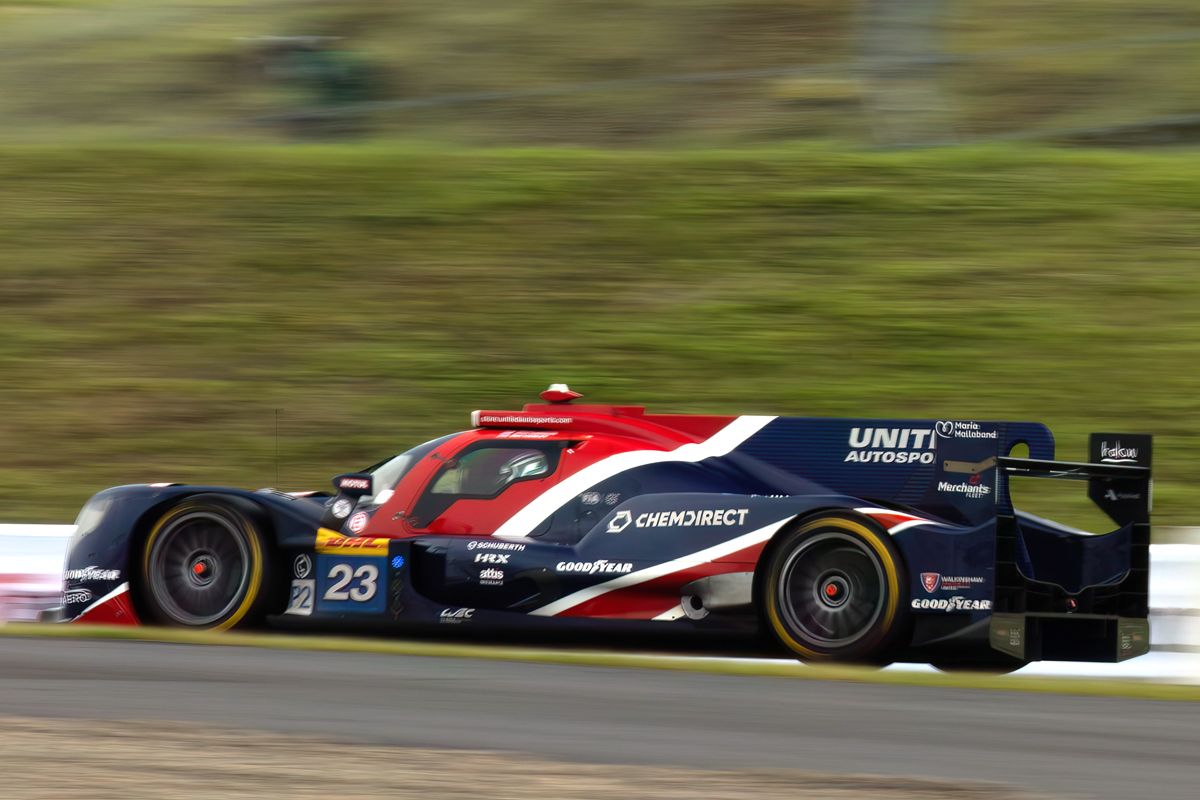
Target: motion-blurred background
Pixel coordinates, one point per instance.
(356, 221)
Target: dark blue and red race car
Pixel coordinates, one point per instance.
(845, 539)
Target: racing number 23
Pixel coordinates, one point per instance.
(349, 583)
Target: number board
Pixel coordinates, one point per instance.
(351, 583)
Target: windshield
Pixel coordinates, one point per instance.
(386, 474)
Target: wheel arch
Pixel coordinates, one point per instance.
(800, 519)
(146, 521)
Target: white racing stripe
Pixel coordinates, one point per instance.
(117, 592)
(671, 614)
(658, 570)
(719, 444)
(911, 522)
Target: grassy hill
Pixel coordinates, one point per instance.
(159, 303)
(82, 69)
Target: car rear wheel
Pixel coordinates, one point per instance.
(998, 665)
(204, 566)
(833, 591)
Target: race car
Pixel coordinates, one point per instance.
(861, 540)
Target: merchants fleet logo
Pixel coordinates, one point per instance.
(690, 518)
(973, 489)
(1116, 454)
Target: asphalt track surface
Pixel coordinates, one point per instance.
(1074, 746)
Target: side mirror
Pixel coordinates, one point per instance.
(354, 484)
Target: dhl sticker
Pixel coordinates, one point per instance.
(333, 543)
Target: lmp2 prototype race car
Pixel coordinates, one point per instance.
(843, 539)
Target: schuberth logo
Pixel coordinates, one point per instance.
(476, 545)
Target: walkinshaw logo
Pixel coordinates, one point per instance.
(599, 567)
(932, 581)
(1116, 454)
(955, 603)
(92, 573)
(708, 517)
(892, 445)
(953, 429)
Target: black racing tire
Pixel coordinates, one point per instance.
(991, 665)
(205, 565)
(835, 589)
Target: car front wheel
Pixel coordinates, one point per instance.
(204, 566)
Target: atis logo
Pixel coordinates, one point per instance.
(891, 446)
(491, 577)
(931, 581)
(1116, 454)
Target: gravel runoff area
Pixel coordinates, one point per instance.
(48, 759)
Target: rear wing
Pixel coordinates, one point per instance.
(1068, 595)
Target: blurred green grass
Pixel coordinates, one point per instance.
(158, 303)
(137, 68)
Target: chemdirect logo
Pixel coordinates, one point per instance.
(708, 517)
(891, 446)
